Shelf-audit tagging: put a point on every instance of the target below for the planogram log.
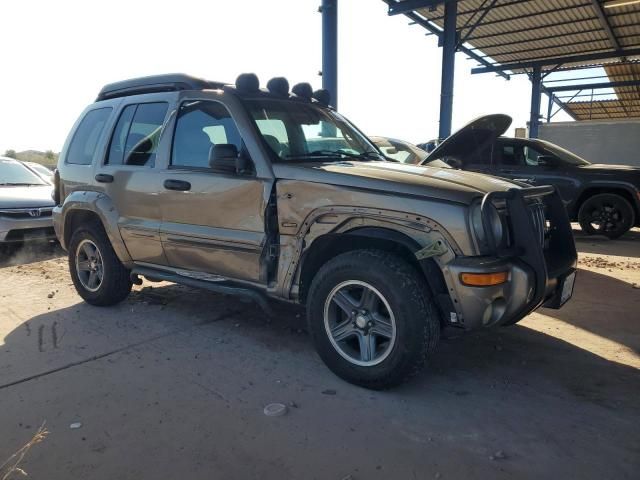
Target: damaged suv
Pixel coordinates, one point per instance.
(270, 193)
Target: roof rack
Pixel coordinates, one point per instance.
(156, 83)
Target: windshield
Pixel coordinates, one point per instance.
(562, 154)
(41, 169)
(14, 173)
(399, 150)
(297, 131)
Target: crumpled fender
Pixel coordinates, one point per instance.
(431, 239)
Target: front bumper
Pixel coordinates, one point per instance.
(541, 255)
(501, 304)
(24, 229)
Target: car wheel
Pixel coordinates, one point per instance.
(607, 214)
(371, 318)
(97, 273)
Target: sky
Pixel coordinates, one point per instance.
(56, 55)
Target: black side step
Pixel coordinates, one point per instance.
(218, 287)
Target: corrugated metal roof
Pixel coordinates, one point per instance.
(530, 30)
(503, 32)
(604, 109)
(626, 105)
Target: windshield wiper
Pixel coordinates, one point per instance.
(369, 155)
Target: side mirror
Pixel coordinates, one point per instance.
(548, 161)
(224, 157)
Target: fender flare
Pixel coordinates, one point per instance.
(101, 205)
(410, 231)
(631, 189)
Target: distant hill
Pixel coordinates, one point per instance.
(48, 158)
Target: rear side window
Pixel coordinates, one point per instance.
(200, 125)
(137, 133)
(85, 139)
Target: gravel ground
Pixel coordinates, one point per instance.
(173, 382)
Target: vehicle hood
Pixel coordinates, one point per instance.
(604, 168)
(474, 135)
(26, 197)
(397, 178)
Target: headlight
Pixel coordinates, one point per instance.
(494, 223)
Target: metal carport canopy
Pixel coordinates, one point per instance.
(507, 37)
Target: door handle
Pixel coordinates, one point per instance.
(104, 178)
(179, 185)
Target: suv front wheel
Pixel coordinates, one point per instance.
(371, 318)
(97, 273)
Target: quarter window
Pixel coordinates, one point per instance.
(85, 140)
(137, 133)
(200, 126)
(531, 156)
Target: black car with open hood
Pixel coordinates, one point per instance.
(605, 199)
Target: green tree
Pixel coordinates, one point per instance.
(10, 153)
(49, 155)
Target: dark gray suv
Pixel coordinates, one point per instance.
(270, 193)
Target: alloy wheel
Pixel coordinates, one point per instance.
(359, 323)
(89, 265)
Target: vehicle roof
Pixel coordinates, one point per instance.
(173, 82)
(169, 82)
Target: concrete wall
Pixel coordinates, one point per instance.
(612, 142)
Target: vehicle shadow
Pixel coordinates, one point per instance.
(26, 253)
(514, 357)
(627, 245)
(605, 306)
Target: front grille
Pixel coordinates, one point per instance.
(539, 219)
(22, 213)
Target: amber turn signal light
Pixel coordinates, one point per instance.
(483, 279)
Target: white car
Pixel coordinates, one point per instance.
(25, 204)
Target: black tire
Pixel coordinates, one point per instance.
(417, 326)
(606, 214)
(115, 284)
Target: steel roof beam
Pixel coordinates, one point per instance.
(406, 6)
(558, 102)
(528, 15)
(538, 39)
(606, 26)
(588, 95)
(510, 4)
(553, 60)
(529, 40)
(592, 66)
(594, 86)
(438, 32)
(546, 47)
(539, 27)
(477, 22)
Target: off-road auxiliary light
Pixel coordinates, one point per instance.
(484, 279)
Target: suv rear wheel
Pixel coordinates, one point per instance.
(371, 318)
(97, 273)
(607, 214)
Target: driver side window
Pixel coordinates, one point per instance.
(511, 156)
(200, 125)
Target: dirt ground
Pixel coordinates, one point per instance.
(172, 383)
